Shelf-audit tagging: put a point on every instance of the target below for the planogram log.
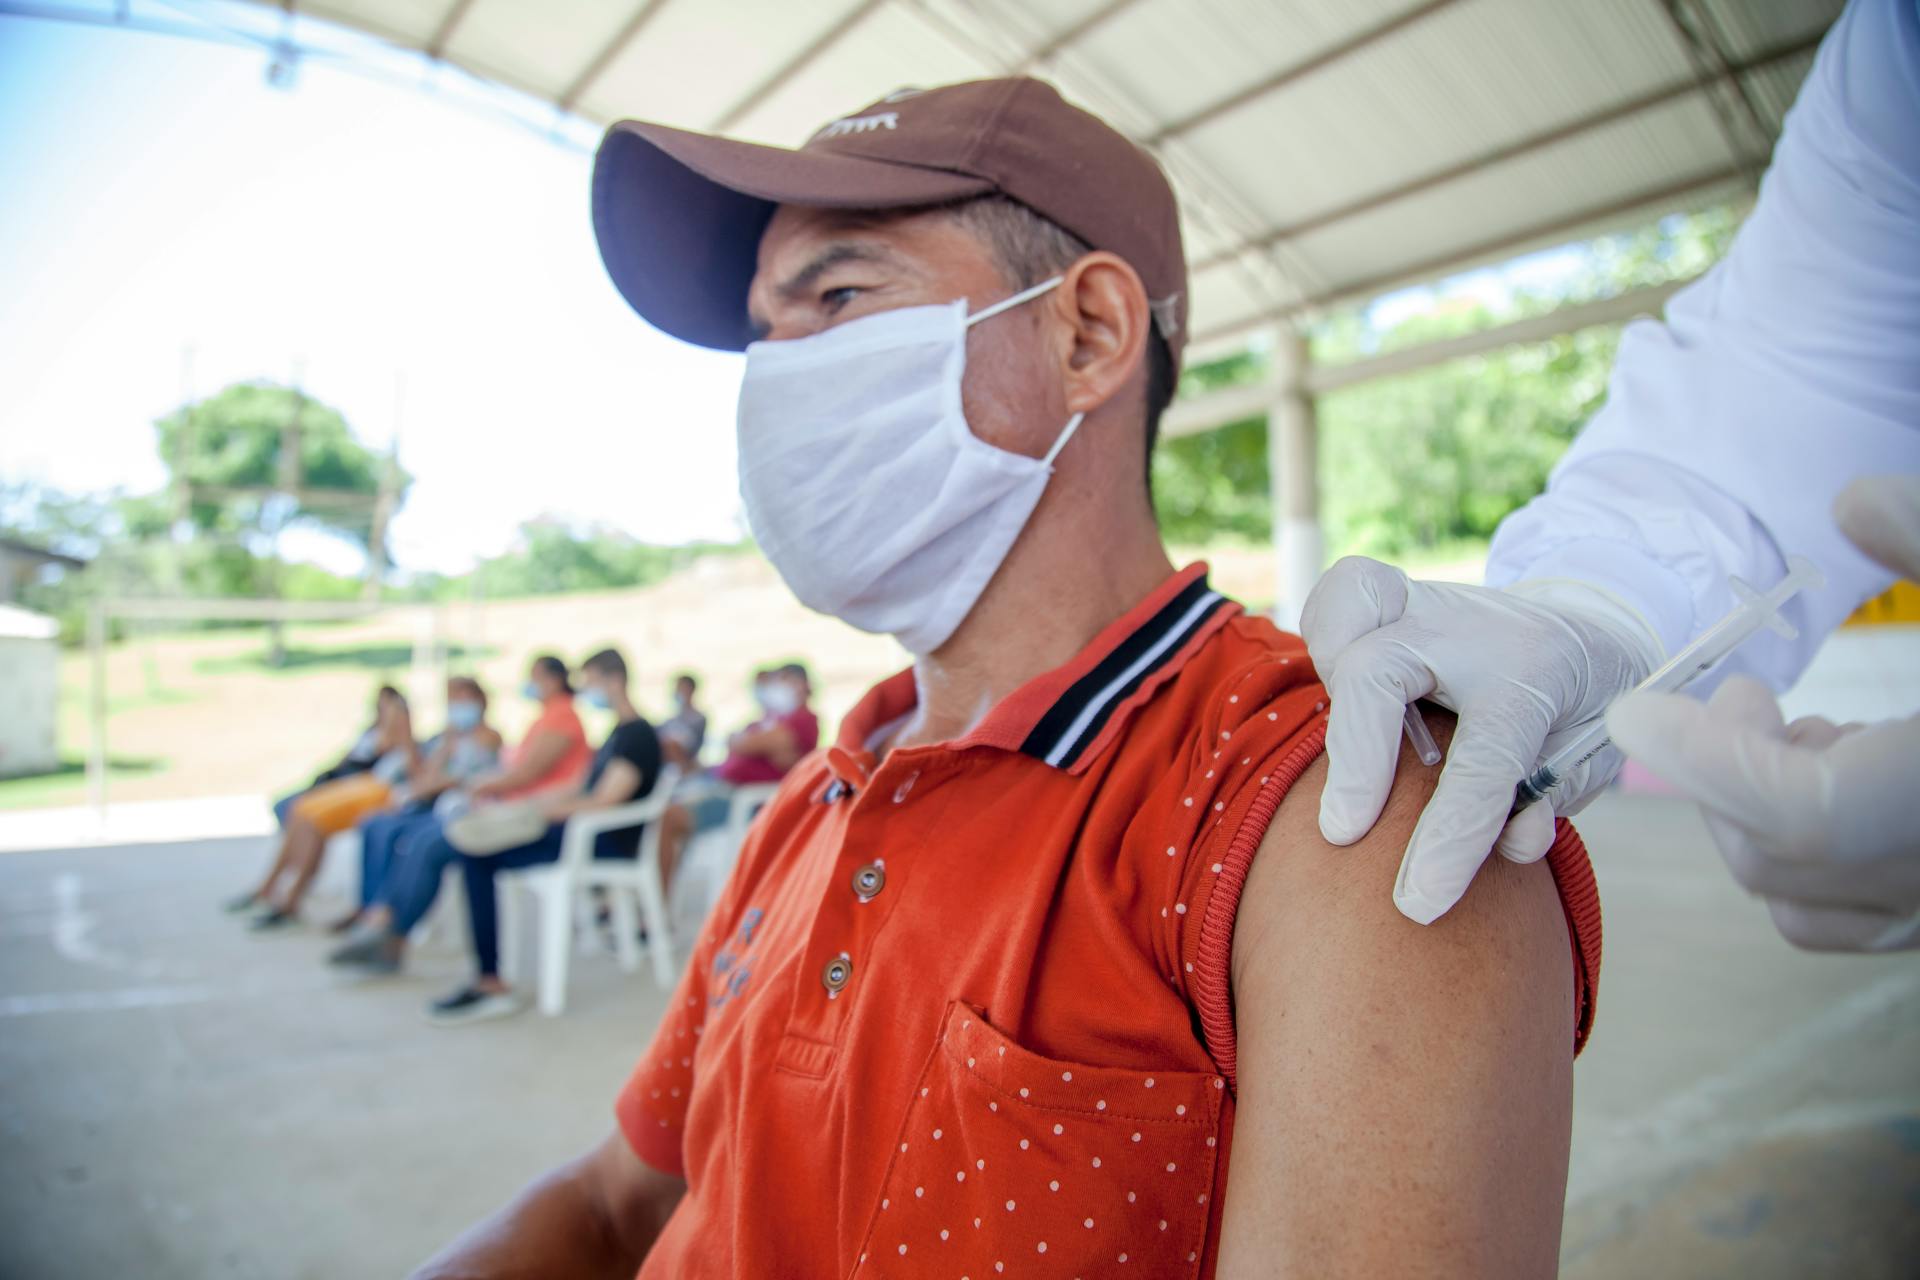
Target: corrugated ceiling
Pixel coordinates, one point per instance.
(1323, 149)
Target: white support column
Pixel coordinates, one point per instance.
(97, 707)
(1293, 448)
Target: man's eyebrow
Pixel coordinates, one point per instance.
(796, 286)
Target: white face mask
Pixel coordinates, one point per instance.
(781, 699)
(862, 481)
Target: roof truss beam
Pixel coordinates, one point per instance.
(1669, 195)
(613, 48)
(1234, 404)
(794, 66)
(1510, 151)
(1299, 71)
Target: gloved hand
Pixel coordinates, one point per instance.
(1815, 819)
(1812, 818)
(1526, 668)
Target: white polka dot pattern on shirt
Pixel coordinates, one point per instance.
(1053, 1160)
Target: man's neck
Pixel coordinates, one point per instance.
(1049, 600)
(623, 708)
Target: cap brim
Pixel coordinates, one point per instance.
(678, 216)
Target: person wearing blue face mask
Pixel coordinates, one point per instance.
(467, 749)
(625, 768)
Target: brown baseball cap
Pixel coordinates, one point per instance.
(679, 215)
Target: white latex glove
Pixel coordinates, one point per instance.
(1526, 668)
(1815, 819)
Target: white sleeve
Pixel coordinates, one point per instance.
(1790, 368)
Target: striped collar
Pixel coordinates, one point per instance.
(1066, 717)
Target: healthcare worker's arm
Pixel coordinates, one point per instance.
(1404, 1094)
(591, 1219)
(1814, 818)
(1786, 371)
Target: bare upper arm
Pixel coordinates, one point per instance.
(631, 1196)
(1405, 1092)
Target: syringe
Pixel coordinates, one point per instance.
(1756, 610)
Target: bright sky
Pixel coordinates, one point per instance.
(159, 196)
(371, 228)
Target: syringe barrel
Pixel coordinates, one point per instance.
(1533, 788)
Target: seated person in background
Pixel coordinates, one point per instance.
(325, 811)
(684, 732)
(466, 750)
(549, 760)
(624, 769)
(761, 752)
(358, 759)
(554, 752)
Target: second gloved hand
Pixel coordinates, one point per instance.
(1526, 668)
(1814, 819)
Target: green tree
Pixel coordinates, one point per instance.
(551, 555)
(1442, 454)
(226, 449)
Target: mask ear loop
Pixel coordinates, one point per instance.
(1018, 298)
(1066, 434)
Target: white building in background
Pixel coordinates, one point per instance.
(29, 666)
(29, 691)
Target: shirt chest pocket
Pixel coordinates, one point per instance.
(1012, 1163)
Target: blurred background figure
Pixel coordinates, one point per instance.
(625, 768)
(683, 733)
(325, 810)
(358, 758)
(554, 752)
(761, 752)
(465, 750)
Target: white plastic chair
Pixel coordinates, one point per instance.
(742, 805)
(559, 886)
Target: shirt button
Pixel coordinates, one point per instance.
(837, 974)
(869, 880)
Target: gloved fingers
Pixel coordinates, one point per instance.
(1741, 702)
(1528, 834)
(1817, 928)
(1731, 756)
(1881, 516)
(1467, 812)
(1369, 688)
(1817, 733)
(1354, 597)
(1760, 873)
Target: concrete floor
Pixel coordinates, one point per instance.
(179, 1099)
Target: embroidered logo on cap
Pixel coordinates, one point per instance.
(859, 124)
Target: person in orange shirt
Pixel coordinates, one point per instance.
(554, 755)
(551, 760)
(1043, 967)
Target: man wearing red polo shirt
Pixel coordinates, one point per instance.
(1006, 974)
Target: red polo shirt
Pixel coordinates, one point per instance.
(965, 1010)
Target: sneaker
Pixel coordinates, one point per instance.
(378, 953)
(245, 902)
(271, 919)
(470, 1004)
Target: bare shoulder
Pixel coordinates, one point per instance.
(1343, 897)
(1435, 1061)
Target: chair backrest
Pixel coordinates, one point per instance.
(742, 804)
(576, 845)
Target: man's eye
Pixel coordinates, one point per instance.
(836, 298)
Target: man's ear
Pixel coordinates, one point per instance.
(1106, 306)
